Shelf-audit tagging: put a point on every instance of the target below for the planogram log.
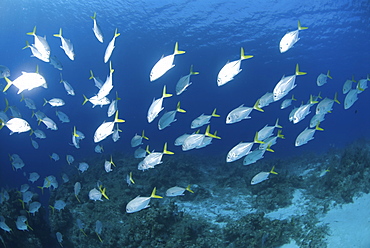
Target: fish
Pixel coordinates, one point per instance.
(55, 102)
(34, 207)
(62, 116)
(95, 195)
(195, 140)
(140, 153)
(33, 177)
(106, 129)
(176, 191)
(67, 46)
(154, 158)
(164, 64)
(156, 106)
(83, 167)
(16, 125)
(29, 102)
(137, 139)
(267, 131)
(262, 176)
(49, 123)
(241, 113)
(287, 102)
(96, 28)
(140, 203)
(231, 69)
(289, 39)
(4, 71)
(39, 134)
(115, 135)
(4, 226)
(98, 148)
(184, 82)
(95, 101)
(108, 165)
(270, 141)
(110, 47)
(286, 84)
(54, 61)
(67, 86)
(350, 99)
(303, 111)
(40, 44)
(15, 112)
(113, 106)
(169, 117)
(203, 120)
(36, 53)
(26, 81)
(70, 159)
(322, 78)
(307, 135)
(108, 84)
(347, 86)
(54, 156)
(362, 84)
(326, 105)
(241, 150)
(180, 140)
(97, 81)
(34, 144)
(317, 118)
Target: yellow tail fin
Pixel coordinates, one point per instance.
(165, 151)
(33, 32)
(116, 118)
(242, 56)
(255, 106)
(256, 140)
(178, 109)
(214, 114)
(94, 16)
(164, 94)
(143, 136)
(60, 33)
(9, 83)
(116, 34)
(177, 51)
(336, 98)
(297, 72)
(153, 195)
(91, 75)
(300, 27)
(211, 135)
(86, 100)
(328, 74)
(272, 170)
(27, 45)
(188, 189)
(193, 72)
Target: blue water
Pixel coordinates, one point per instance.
(211, 33)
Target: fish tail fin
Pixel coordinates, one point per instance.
(277, 123)
(117, 98)
(78, 199)
(22, 97)
(8, 84)
(214, 113)
(147, 149)
(243, 56)
(131, 179)
(116, 119)
(188, 189)
(165, 151)
(75, 132)
(178, 109)
(111, 161)
(45, 102)
(328, 75)
(94, 16)
(143, 136)
(297, 72)
(164, 94)
(111, 70)
(61, 78)
(353, 79)
(336, 98)
(1, 124)
(193, 72)
(153, 195)
(42, 189)
(91, 75)
(27, 45)
(116, 34)
(269, 148)
(177, 51)
(33, 31)
(85, 100)
(6, 105)
(102, 191)
(312, 101)
(280, 135)
(255, 106)
(256, 140)
(318, 128)
(293, 98)
(211, 135)
(60, 33)
(300, 27)
(31, 132)
(358, 86)
(272, 170)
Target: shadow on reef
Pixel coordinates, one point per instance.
(225, 210)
